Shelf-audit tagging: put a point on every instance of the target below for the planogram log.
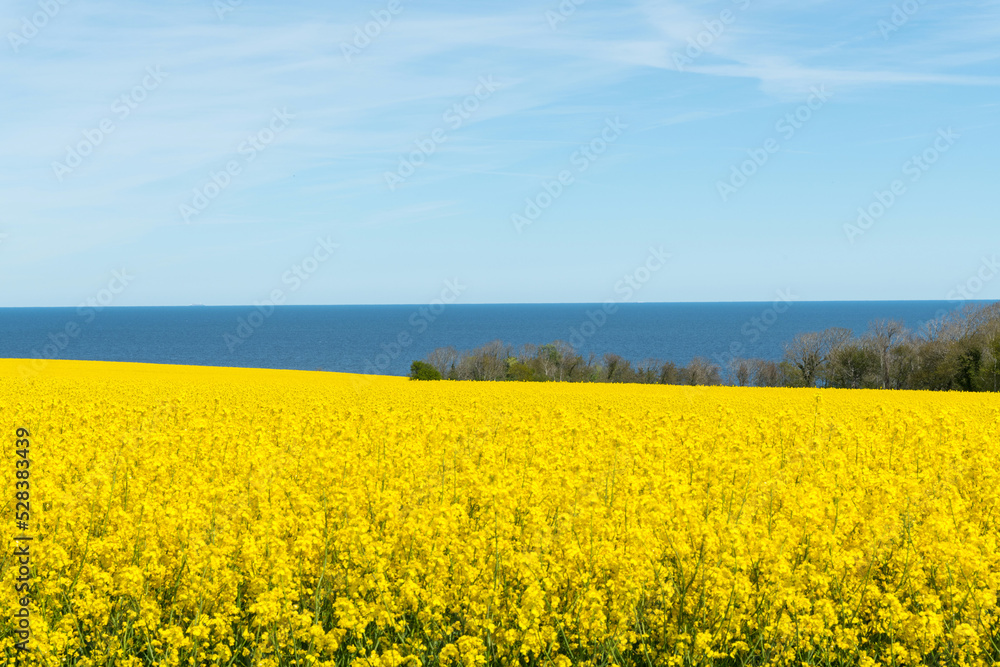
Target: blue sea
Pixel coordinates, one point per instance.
(385, 339)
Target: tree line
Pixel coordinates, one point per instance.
(555, 362)
(959, 350)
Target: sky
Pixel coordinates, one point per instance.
(230, 152)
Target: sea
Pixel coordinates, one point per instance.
(386, 339)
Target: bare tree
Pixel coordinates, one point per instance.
(885, 336)
(740, 370)
(648, 371)
(805, 352)
(488, 362)
(809, 352)
(703, 372)
(443, 359)
(765, 373)
(572, 366)
(618, 369)
(669, 373)
(491, 360)
(836, 336)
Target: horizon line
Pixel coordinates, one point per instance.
(956, 302)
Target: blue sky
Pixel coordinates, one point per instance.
(741, 137)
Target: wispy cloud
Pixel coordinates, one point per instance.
(354, 118)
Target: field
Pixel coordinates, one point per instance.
(201, 516)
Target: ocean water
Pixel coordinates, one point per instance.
(385, 339)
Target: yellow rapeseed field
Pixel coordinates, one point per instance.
(206, 516)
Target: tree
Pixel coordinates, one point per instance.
(852, 365)
(489, 362)
(648, 371)
(618, 369)
(902, 365)
(740, 370)
(765, 373)
(885, 335)
(805, 353)
(970, 362)
(991, 364)
(669, 373)
(420, 370)
(519, 371)
(935, 367)
(443, 359)
(808, 354)
(549, 358)
(572, 367)
(702, 372)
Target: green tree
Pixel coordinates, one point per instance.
(969, 368)
(853, 365)
(991, 365)
(518, 371)
(421, 370)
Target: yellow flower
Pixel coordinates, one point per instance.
(190, 515)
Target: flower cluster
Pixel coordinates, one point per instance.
(237, 517)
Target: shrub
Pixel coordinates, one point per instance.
(420, 370)
(519, 371)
